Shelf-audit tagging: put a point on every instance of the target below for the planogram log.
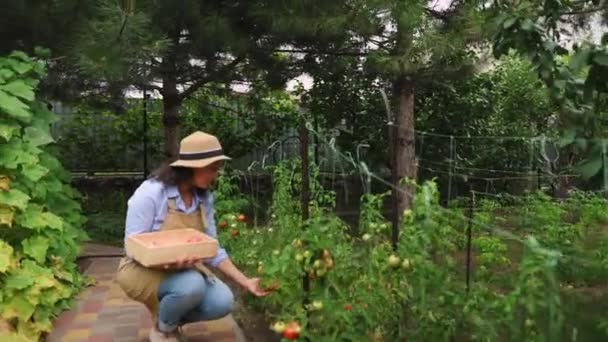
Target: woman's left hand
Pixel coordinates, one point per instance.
(253, 286)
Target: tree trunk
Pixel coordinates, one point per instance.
(171, 105)
(403, 153)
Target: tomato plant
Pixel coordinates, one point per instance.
(360, 288)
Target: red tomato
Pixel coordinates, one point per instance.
(290, 334)
(234, 232)
(242, 218)
(292, 331)
(223, 224)
(348, 307)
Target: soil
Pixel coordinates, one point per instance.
(254, 325)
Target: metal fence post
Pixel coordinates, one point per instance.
(146, 97)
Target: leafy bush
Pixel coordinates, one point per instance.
(40, 218)
(359, 288)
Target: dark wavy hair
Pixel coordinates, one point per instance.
(171, 175)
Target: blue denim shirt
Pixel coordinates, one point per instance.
(147, 209)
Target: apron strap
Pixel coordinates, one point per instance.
(203, 215)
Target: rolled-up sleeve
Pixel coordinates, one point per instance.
(212, 231)
(141, 210)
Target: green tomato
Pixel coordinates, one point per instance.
(406, 264)
(394, 261)
(317, 305)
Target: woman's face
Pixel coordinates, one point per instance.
(203, 177)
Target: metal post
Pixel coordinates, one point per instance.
(469, 233)
(604, 168)
(316, 139)
(146, 97)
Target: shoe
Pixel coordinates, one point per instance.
(156, 335)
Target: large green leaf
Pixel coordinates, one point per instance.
(14, 107)
(9, 157)
(33, 217)
(14, 154)
(7, 130)
(34, 172)
(6, 74)
(20, 89)
(14, 198)
(20, 67)
(6, 256)
(37, 137)
(53, 220)
(19, 280)
(18, 307)
(590, 167)
(7, 215)
(36, 247)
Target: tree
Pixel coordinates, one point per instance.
(419, 45)
(178, 48)
(576, 77)
(406, 43)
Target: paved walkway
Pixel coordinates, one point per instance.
(104, 313)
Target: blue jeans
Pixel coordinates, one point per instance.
(188, 296)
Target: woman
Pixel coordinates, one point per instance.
(177, 196)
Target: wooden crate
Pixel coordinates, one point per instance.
(167, 246)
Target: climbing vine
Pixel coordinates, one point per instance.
(40, 218)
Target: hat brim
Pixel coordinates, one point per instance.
(199, 163)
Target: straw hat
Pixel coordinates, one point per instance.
(199, 149)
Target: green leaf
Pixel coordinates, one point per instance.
(590, 168)
(6, 74)
(33, 217)
(36, 247)
(20, 55)
(53, 220)
(579, 59)
(601, 58)
(20, 89)
(6, 256)
(14, 107)
(9, 156)
(18, 280)
(14, 198)
(14, 154)
(34, 172)
(7, 216)
(37, 137)
(568, 138)
(509, 22)
(7, 130)
(19, 307)
(527, 25)
(20, 67)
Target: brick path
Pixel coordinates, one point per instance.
(104, 313)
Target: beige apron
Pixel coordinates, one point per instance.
(141, 283)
